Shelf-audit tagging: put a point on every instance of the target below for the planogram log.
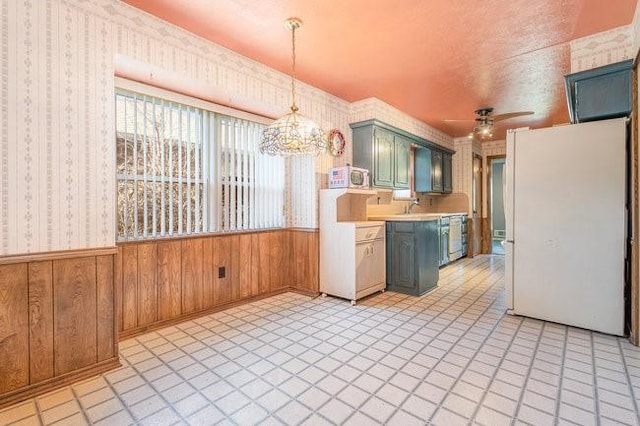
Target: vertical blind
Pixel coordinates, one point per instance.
(183, 170)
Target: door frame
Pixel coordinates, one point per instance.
(633, 317)
(489, 226)
(477, 218)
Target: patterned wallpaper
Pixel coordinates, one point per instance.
(603, 48)
(57, 151)
(57, 143)
(462, 170)
(635, 30)
(463, 164)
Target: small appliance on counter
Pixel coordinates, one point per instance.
(348, 177)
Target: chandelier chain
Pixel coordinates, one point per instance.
(293, 133)
(294, 108)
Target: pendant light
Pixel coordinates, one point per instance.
(293, 134)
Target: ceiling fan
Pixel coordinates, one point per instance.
(485, 118)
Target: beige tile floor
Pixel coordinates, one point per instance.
(451, 357)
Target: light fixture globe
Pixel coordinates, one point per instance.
(293, 134)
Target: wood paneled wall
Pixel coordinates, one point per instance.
(57, 320)
(165, 281)
(485, 235)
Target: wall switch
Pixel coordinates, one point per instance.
(222, 272)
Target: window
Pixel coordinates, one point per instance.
(184, 170)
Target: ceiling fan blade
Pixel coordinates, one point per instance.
(500, 117)
(464, 120)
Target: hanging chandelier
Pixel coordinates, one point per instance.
(293, 134)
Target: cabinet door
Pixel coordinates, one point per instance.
(402, 178)
(403, 263)
(444, 246)
(369, 264)
(436, 171)
(446, 173)
(383, 158)
(422, 170)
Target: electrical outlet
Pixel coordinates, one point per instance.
(222, 272)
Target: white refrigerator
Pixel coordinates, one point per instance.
(566, 224)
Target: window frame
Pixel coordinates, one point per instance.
(212, 184)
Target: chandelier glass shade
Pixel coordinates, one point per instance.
(293, 134)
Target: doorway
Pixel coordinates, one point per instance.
(476, 202)
(497, 229)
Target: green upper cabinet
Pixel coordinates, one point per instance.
(447, 186)
(402, 172)
(432, 171)
(436, 171)
(422, 170)
(600, 93)
(386, 152)
(383, 158)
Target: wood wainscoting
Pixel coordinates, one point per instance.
(161, 282)
(57, 320)
(485, 236)
(471, 240)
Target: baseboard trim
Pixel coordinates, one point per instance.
(54, 383)
(127, 334)
(303, 292)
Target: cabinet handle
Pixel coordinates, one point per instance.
(373, 249)
(369, 235)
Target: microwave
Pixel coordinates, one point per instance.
(348, 177)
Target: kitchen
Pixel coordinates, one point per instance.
(65, 223)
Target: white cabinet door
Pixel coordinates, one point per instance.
(370, 264)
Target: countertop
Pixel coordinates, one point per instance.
(407, 217)
(412, 216)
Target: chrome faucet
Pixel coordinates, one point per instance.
(407, 209)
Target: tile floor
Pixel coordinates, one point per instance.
(451, 357)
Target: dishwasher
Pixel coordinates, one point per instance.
(455, 237)
(444, 240)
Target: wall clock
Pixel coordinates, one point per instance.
(336, 143)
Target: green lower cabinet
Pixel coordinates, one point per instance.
(412, 256)
(402, 260)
